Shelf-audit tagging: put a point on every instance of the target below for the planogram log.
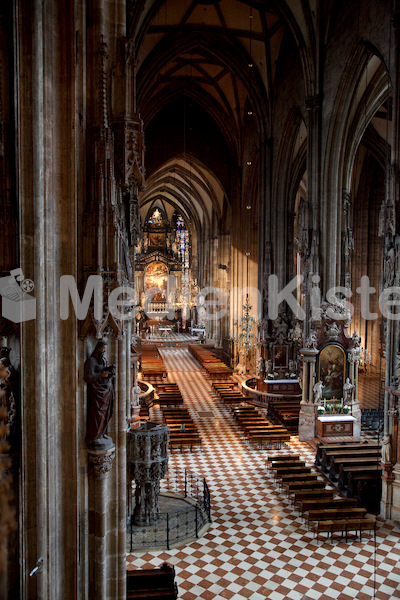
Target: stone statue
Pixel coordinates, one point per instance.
(268, 367)
(241, 366)
(99, 376)
(311, 341)
(387, 448)
(136, 391)
(356, 339)
(318, 387)
(280, 326)
(292, 366)
(332, 330)
(260, 367)
(348, 391)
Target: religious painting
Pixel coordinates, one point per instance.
(157, 240)
(280, 357)
(156, 278)
(332, 371)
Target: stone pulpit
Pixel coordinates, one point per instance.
(147, 462)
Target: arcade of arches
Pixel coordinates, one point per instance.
(199, 153)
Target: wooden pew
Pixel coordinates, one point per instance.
(349, 462)
(332, 514)
(344, 526)
(323, 503)
(325, 450)
(152, 584)
(359, 469)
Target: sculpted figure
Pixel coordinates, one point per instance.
(99, 376)
(318, 387)
(136, 391)
(241, 366)
(386, 449)
(268, 367)
(260, 367)
(348, 391)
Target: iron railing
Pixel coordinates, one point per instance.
(176, 525)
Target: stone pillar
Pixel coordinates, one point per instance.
(390, 501)
(307, 416)
(100, 466)
(353, 358)
(147, 460)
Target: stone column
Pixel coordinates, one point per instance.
(390, 501)
(307, 416)
(99, 485)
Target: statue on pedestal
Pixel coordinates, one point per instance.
(241, 366)
(348, 391)
(99, 376)
(318, 387)
(260, 367)
(387, 448)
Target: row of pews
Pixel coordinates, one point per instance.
(213, 366)
(228, 392)
(253, 424)
(152, 584)
(322, 512)
(356, 469)
(152, 365)
(286, 412)
(183, 434)
(257, 428)
(169, 394)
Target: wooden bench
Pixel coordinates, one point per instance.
(152, 583)
(322, 503)
(291, 470)
(348, 462)
(304, 485)
(332, 514)
(344, 526)
(278, 457)
(184, 440)
(311, 494)
(361, 469)
(326, 450)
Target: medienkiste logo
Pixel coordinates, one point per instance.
(17, 305)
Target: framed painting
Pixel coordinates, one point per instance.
(157, 240)
(280, 357)
(156, 278)
(332, 370)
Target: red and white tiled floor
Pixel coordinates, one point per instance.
(257, 546)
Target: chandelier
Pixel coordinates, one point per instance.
(246, 326)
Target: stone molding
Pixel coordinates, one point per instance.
(101, 461)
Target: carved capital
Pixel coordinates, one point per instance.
(101, 462)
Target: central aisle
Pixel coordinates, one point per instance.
(257, 547)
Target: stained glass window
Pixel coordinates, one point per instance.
(182, 242)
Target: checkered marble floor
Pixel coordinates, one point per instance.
(258, 546)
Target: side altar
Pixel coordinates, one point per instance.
(336, 425)
(329, 405)
(288, 387)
